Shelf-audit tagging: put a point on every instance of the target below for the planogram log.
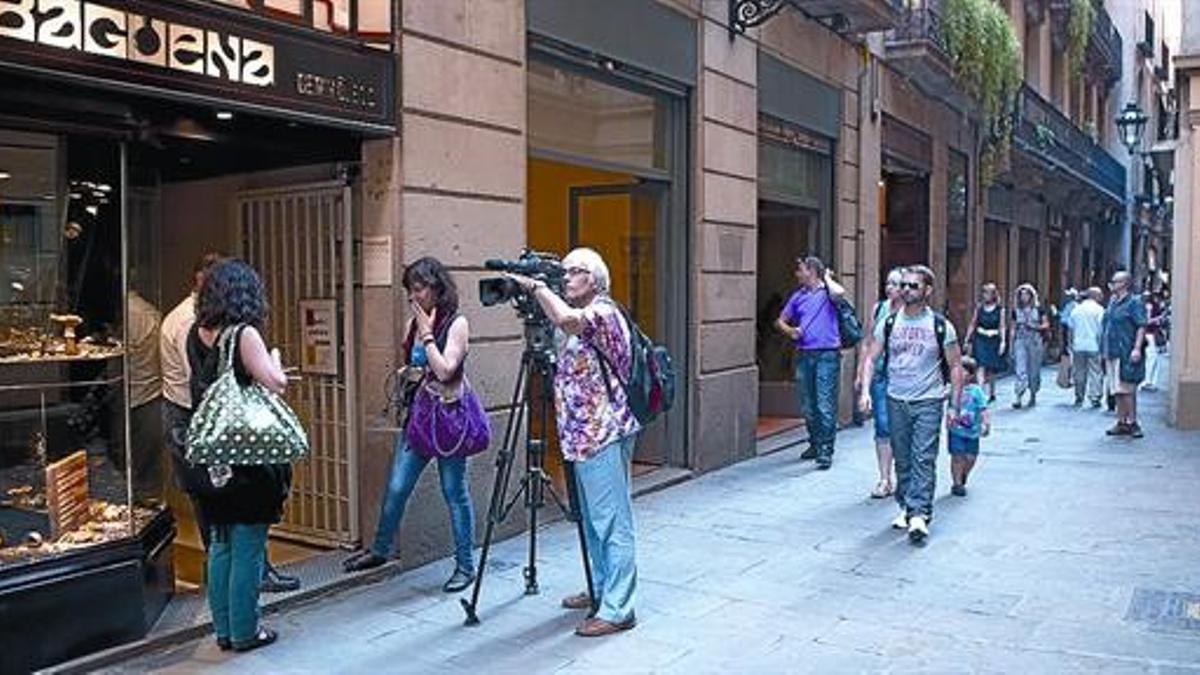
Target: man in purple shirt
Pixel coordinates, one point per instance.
(810, 319)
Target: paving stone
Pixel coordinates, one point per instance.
(770, 567)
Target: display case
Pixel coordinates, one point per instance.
(81, 468)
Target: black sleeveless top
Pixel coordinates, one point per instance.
(255, 494)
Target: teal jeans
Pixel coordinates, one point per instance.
(235, 567)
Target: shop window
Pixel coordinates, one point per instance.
(65, 393)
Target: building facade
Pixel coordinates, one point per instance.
(1185, 323)
(700, 146)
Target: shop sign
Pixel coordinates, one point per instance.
(183, 49)
(319, 336)
(774, 129)
(67, 493)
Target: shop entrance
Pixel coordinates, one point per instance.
(785, 231)
(605, 171)
(298, 239)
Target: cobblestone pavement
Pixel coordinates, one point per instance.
(1073, 552)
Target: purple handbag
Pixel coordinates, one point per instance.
(441, 428)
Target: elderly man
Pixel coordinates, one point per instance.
(1123, 340)
(1086, 322)
(596, 430)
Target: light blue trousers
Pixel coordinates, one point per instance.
(606, 505)
(236, 557)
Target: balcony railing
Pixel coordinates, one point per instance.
(1042, 129)
(920, 24)
(1104, 48)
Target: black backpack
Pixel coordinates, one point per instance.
(850, 329)
(939, 330)
(650, 390)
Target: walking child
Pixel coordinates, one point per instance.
(964, 429)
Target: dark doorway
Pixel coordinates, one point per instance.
(904, 236)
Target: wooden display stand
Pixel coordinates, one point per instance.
(67, 493)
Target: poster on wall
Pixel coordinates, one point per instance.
(319, 336)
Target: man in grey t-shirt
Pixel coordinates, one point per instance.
(916, 395)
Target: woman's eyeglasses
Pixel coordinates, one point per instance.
(572, 271)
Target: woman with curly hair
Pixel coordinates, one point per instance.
(437, 341)
(240, 505)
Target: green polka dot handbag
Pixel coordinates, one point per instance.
(240, 426)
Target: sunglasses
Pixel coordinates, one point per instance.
(914, 285)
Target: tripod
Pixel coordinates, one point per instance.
(537, 361)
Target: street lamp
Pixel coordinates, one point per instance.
(1131, 122)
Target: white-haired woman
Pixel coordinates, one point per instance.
(891, 303)
(1027, 332)
(596, 430)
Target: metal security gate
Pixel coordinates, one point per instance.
(300, 241)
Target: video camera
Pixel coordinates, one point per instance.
(545, 267)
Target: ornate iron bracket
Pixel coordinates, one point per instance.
(745, 14)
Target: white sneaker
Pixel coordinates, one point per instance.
(917, 529)
(901, 521)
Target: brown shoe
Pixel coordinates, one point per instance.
(577, 601)
(599, 627)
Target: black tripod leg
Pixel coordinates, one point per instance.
(534, 498)
(576, 513)
(504, 462)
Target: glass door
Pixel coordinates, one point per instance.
(622, 222)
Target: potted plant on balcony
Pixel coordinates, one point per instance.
(1079, 32)
(987, 61)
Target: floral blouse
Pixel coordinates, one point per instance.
(589, 418)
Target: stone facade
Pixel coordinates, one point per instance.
(1184, 409)
(453, 184)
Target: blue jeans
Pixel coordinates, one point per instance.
(916, 433)
(606, 508)
(236, 556)
(879, 409)
(818, 376)
(406, 469)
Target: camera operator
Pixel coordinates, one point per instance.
(596, 430)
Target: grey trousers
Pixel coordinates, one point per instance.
(916, 428)
(1027, 361)
(1089, 376)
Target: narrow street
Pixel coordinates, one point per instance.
(1073, 552)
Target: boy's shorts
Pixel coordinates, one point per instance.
(960, 445)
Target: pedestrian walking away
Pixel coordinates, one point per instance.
(986, 338)
(964, 429)
(889, 305)
(1086, 322)
(239, 503)
(1070, 301)
(1123, 340)
(1027, 332)
(810, 320)
(1156, 339)
(435, 353)
(921, 355)
(596, 431)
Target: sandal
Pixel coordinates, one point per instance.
(262, 638)
(882, 489)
